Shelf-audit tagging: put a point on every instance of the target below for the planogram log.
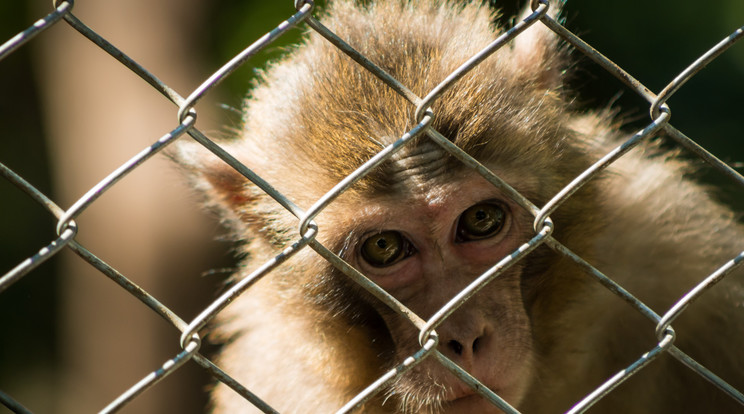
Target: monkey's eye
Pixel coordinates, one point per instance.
(480, 221)
(386, 248)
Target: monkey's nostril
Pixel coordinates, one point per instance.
(455, 346)
(476, 344)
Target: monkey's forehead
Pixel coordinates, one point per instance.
(334, 115)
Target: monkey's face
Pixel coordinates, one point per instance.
(424, 250)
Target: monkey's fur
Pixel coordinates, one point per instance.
(544, 333)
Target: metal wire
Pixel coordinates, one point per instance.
(186, 120)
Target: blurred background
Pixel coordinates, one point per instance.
(71, 340)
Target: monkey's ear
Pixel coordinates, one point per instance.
(538, 53)
(222, 187)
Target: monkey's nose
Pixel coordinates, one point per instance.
(455, 346)
(458, 348)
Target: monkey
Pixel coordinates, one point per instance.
(422, 226)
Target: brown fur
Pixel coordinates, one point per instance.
(307, 340)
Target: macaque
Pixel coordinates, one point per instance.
(422, 226)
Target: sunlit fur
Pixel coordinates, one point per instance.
(306, 339)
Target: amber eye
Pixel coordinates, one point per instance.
(480, 221)
(386, 248)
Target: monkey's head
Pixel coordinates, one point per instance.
(422, 226)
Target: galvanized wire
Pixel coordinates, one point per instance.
(186, 125)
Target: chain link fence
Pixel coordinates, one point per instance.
(192, 329)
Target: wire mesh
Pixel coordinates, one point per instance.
(192, 329)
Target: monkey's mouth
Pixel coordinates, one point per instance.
(460, 392)
(463, 399)
(469, 403)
